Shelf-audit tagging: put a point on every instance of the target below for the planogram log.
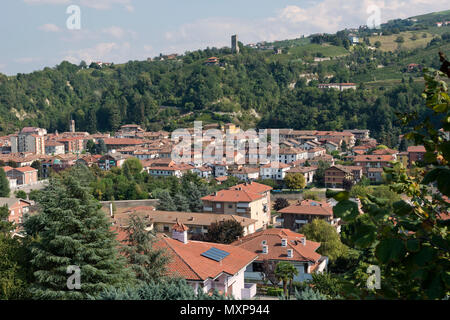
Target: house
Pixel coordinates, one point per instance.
(335, 175)
(373, 161)
(413, 67)
(316, 152)
(212, 61)
(117, 143)
(203, 171)
(72, 144)
(29, 139)
(166, 167)
(276, 245)
(17, 209)
(415, 154)
(295, 216)
(375, 174)
(331, 146)
(23, 175)
(54, 148)
(337, 86)
(88, 160)
(307, 172)
(288, 155)
(245, 173)
(274, 171)
(111, 160)
(245, 200)
(360, 134)
(208, 266)
(164, 221)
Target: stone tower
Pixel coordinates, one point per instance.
(234, 44)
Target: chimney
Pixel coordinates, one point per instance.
(265, 249)
(179, 232)
(303, 241)
(111, 211)
(284, 242)
(290, 253)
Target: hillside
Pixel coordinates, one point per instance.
(256, 88)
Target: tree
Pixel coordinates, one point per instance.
(327, 284)
(90, 147)
(347, 184)
(295, 181)
(280, 203)
(73, 231)
(400, 40)
(409, 240)
(101, 147)
(14, 271)
(268, 271)
(224, 232)
(132, 167)
(148, 262)
(4, 184)
(377, 44)
(166, 202)
(321, 231)
(181, 202)
(285, 271)
(21, 194)
(319, 177)
(309, 294)
(38, 166)
(166, 289)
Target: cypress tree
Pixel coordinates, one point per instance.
(4, 184)
(73, 231)
(148, 262)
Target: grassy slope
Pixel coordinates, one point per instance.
(388, 42)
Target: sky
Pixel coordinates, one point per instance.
(35, 33)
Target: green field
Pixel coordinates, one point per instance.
(388, 43)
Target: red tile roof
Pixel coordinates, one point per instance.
(309, 207)
(253, 187)
(276, 251)
(417, 149)
(188, 262)
(233, 196)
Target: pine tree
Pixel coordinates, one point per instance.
(181, 202)
(4, 184)
(73, 231)
(166, 202)
(148, 262)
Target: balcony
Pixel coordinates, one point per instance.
(249, 291)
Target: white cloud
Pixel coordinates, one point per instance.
(47, 1)
(114, 31)
(95, 4)
(293, 21)
(103, 51)
(49, 27)
(108, 4)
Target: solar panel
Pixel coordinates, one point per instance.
(215, 254)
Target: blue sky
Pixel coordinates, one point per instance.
(34, 33)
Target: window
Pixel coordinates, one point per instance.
(166, 229)
(218, 205)
(230, 206)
